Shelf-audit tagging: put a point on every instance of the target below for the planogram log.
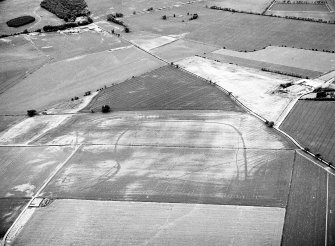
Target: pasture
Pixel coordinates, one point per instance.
(133, 223)
(165, 88)
(48, 85)
(226, 29)
(299, 7)
(311, 124)
(254, 88)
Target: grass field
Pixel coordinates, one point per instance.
(10, 208)
(23, 170)
(306, 212)
(257, 6)
(10, 9)
(297, 58)
(149, 41)
(325, 16)
(178, 175)
(226, 29)
(311, 124)
(48, 85)
(200, 129)
(151, 224)
(181, 49)
(252, 87)
(165, 88)
(17, 58)
(299, 7)
(63, 46)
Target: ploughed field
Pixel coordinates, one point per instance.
(161, 89)
(311, 123)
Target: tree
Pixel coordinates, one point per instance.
(105, 109)
(31, 112)
(126, 30)
(164, 17)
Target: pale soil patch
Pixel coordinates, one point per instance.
(66, 79)
(181, 49)
(28, 189)
(148, 41)
(160, 224)
(305, 59)
(253, 88)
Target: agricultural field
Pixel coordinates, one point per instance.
(311, 124)
(299, 7)
(187, 174)
(181, 49)
(306, 211)
(258, 6)
(254, 88)
(149, 41)
(10, 9)
(18, 58)
(8, 121)
(226, 29)
(297, 58)
(48, 85)
(23, 170)
(142, 128)
(331, 209)
(151, 224)
(10, 209)
(61, 46)
(165, 88)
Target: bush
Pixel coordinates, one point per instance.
(118, 15)
(126, 30)
(31, 112)
(164, 17)
(20, 21)
(105, 109)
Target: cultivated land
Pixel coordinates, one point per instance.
(299, 7)
(48, 86)
(306, 210)
(151, 224)
(181, 49)
(177, 161)
(252, 87)
(230, 30)
(161, 89)
(297, 58)
(258, 6)
(66, 45)
(311, 124)
(10, 208)
(18, 58)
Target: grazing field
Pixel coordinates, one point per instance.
(148, 41)
(48, 85)
(254, 88)
(10, 9)
(10, 208)
(165, 88)
(126, 223)
(257, 6)
(297, 58)
(176, 174)
(18, 58)
(311, 124)
(23, 170)
(299, 7)
(201, 129)
(61, 46)
(331, 209)
(181, 49)
(226, 29)
(306, 211)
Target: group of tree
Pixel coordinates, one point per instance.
(50, 28)
(112, 18)
(20, 21)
